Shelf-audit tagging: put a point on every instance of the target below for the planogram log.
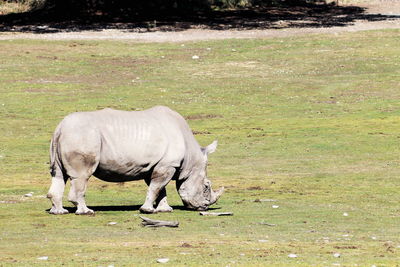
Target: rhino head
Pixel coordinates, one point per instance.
(195, 191)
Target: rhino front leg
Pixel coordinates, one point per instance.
(56, 192)
(77, 195)
(161, 202)
(158, 181)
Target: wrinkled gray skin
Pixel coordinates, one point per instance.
(156, 145)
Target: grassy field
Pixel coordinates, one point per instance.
(311, 122)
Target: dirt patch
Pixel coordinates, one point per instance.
(202, 116)
(246, 64)
(39, 225)
(119, 62)
(200, 132)
(105, 73)
(9, 202)
(47, 57)
(41, 90)
(255, 188)
(346, 247)
(186, 245)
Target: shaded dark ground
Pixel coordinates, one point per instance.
(266, 17)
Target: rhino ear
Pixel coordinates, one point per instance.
(210, 148)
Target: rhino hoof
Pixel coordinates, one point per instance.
(168, 209)
(147, 210)
(58, 211)
(85, 212)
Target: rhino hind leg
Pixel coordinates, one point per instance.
(80, 166)
(156, 192)
(77, 195)
(56, 192)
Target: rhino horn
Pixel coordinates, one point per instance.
(215, 195)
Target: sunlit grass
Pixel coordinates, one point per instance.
(311, 122)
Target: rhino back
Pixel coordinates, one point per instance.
(125, 144)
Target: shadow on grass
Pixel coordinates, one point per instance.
(124, 208)
(269, 17)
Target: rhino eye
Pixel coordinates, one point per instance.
(206, 189)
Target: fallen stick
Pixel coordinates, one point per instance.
(267, 224)
(157, 223)
(204, 213)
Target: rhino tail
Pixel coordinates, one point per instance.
(54, 157)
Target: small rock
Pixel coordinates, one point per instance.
(112, 223)
(292, 256)
(195, 57)
(182, 45)
(262, 241)
(44, 258)
(336, 255)
(208, 48)
(162, 56)
(233, 50)
(345, 214)
(373, 237)
(30, 194)
(275, 206)
(163, 260)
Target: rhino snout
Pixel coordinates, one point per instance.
(216, 195)
(195, 206)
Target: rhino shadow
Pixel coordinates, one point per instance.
(124, 208)
(106, 208)
(184, 208)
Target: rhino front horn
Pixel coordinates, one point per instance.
(216, 195)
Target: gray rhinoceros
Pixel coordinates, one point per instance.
(156, 145)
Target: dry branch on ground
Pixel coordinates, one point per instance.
(147, 222)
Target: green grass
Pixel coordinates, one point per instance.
(312, 122)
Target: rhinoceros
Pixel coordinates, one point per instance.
(155, 145)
